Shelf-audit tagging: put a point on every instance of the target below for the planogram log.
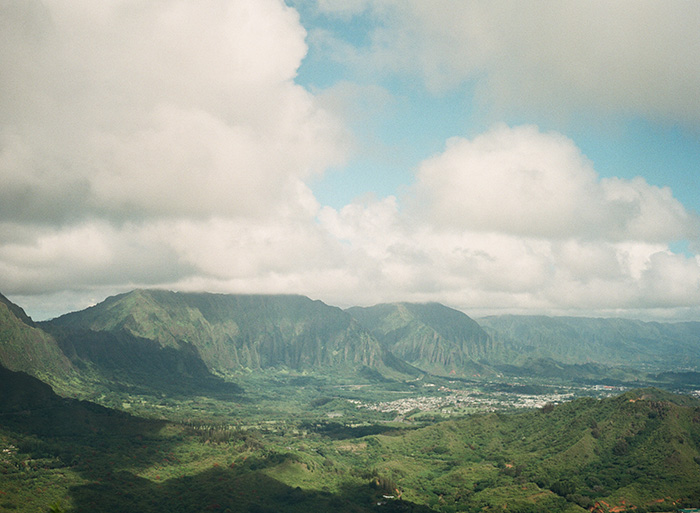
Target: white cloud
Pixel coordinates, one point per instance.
(125, 110)
(166, 144)
(670, 280)
(527, 183)
(518, 219)
(630, 57)
(130, 133)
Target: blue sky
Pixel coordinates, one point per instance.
(497, 157)
(666, 152)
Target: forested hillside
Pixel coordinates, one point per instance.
(639, 451)
(280, 403)
(636, 452)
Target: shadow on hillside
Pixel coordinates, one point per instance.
(140, 365)
(225, 490)
(94, 441)
(339, 431)
(48, 426)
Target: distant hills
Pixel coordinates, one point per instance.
(175, 340)
(638, 451)
(580, 340)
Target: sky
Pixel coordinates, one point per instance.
(497, 157)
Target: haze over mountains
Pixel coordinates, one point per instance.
(180, 338)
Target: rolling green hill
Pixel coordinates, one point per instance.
(235, 332)
(432, 337)
(575, 340)
(639, 451)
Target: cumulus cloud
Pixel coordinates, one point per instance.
(129, 111)
(132, 133)
(630, 57)
(518, 219)
(524, 182)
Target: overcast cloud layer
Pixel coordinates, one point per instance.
(167, 144)
(635, 56)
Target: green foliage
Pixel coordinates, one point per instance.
(56, 507)
(289, 438)
(93, 459)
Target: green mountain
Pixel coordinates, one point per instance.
(431, 336)
(575, 340)
(234, 332)
(122, 361)
(547, 368)
(25, 347)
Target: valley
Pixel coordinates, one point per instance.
(155, 401)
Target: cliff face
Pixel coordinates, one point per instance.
(430, 336)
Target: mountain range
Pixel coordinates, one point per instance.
(639, 451)
(577, 340)
(177, 339)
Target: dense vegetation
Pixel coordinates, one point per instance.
(25, 347)
(168, 415)
(639, 450)
(236, 332)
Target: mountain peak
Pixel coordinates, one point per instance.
(25, 347)
(430, 336)
(17, 311)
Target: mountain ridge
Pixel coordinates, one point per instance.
(235, 332)
(160, 335)
(609, 341)
(27, 348)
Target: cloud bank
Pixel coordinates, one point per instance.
(167, 144)
(628, 57)
(519, 219)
